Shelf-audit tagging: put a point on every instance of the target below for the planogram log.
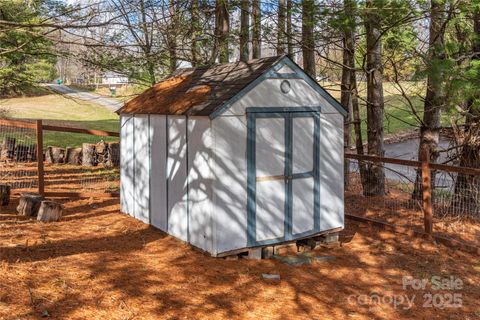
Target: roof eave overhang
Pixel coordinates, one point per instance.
(271, 73)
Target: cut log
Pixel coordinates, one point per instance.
(4, 194)
(55, 155)
(8, 147)
(113, 159)
(89, 155)
(32, 152)
(73, 156)
(21, 153)
(29, 204)
(101, 147)
(50, 211)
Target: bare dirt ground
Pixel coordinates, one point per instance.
(100, 264)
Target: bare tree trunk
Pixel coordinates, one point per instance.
(147, 43)
(346, 93)
(281, 28)
(308, 42)
(289, 29)
(434, 99)
(256, 32)
(172, 37)
(349, 96)
(244, 30)
(375, 184)
(195, 31)
(467, 187)
(222, 29)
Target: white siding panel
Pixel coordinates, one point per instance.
(302, 205)
(331, 171)
(200, 182)
(158, 174)
(230, 183)
(267, 94)
(270, 210)
(142, 168)
(177, 177)
(127, 196)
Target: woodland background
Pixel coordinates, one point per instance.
(426, 52)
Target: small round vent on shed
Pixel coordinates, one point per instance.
(285, 86)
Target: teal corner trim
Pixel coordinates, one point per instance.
(288, 114)
(149, 172)
(272, 74)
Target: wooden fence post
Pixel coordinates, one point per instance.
(41, 173)
(427, 192)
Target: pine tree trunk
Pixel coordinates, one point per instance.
(172, 37)
(308, 43)
(281, 28)
(244, 30)
(289, 29)
(195, 32)
(467, 187)
(222, 30)
(434, 100)
(375, 182)
(256, 30)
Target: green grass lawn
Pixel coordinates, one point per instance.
(398, 113)
(62, 111)
(59, 110)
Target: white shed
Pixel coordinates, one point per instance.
(234, 156)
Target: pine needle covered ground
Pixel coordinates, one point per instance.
(100, 264)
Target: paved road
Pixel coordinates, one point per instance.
(109, 103)
(408, 150)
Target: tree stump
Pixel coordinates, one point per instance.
(89, 155)
(113, 159)
(101, 147)
(29, 204)
(50, 211)
(4, 194)
(21, 153)
(73, 156)
(32, 152)
(55, 155)
(8, 148)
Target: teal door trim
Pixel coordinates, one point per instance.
(288, 114)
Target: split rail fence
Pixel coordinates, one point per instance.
(24, 168)
(426, 199)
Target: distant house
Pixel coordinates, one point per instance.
(235, 156)
(114, 78)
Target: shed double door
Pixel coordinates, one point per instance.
(283, 176)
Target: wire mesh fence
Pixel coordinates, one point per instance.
(18, 155)
(455, 197)
(90, 167)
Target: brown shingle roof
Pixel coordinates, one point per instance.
(198, 91)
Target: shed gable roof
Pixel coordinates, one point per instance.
(208, 91)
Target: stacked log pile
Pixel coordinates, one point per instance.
(9, 149)
(90, 155)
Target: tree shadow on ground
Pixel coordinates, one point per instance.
(109, 265)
